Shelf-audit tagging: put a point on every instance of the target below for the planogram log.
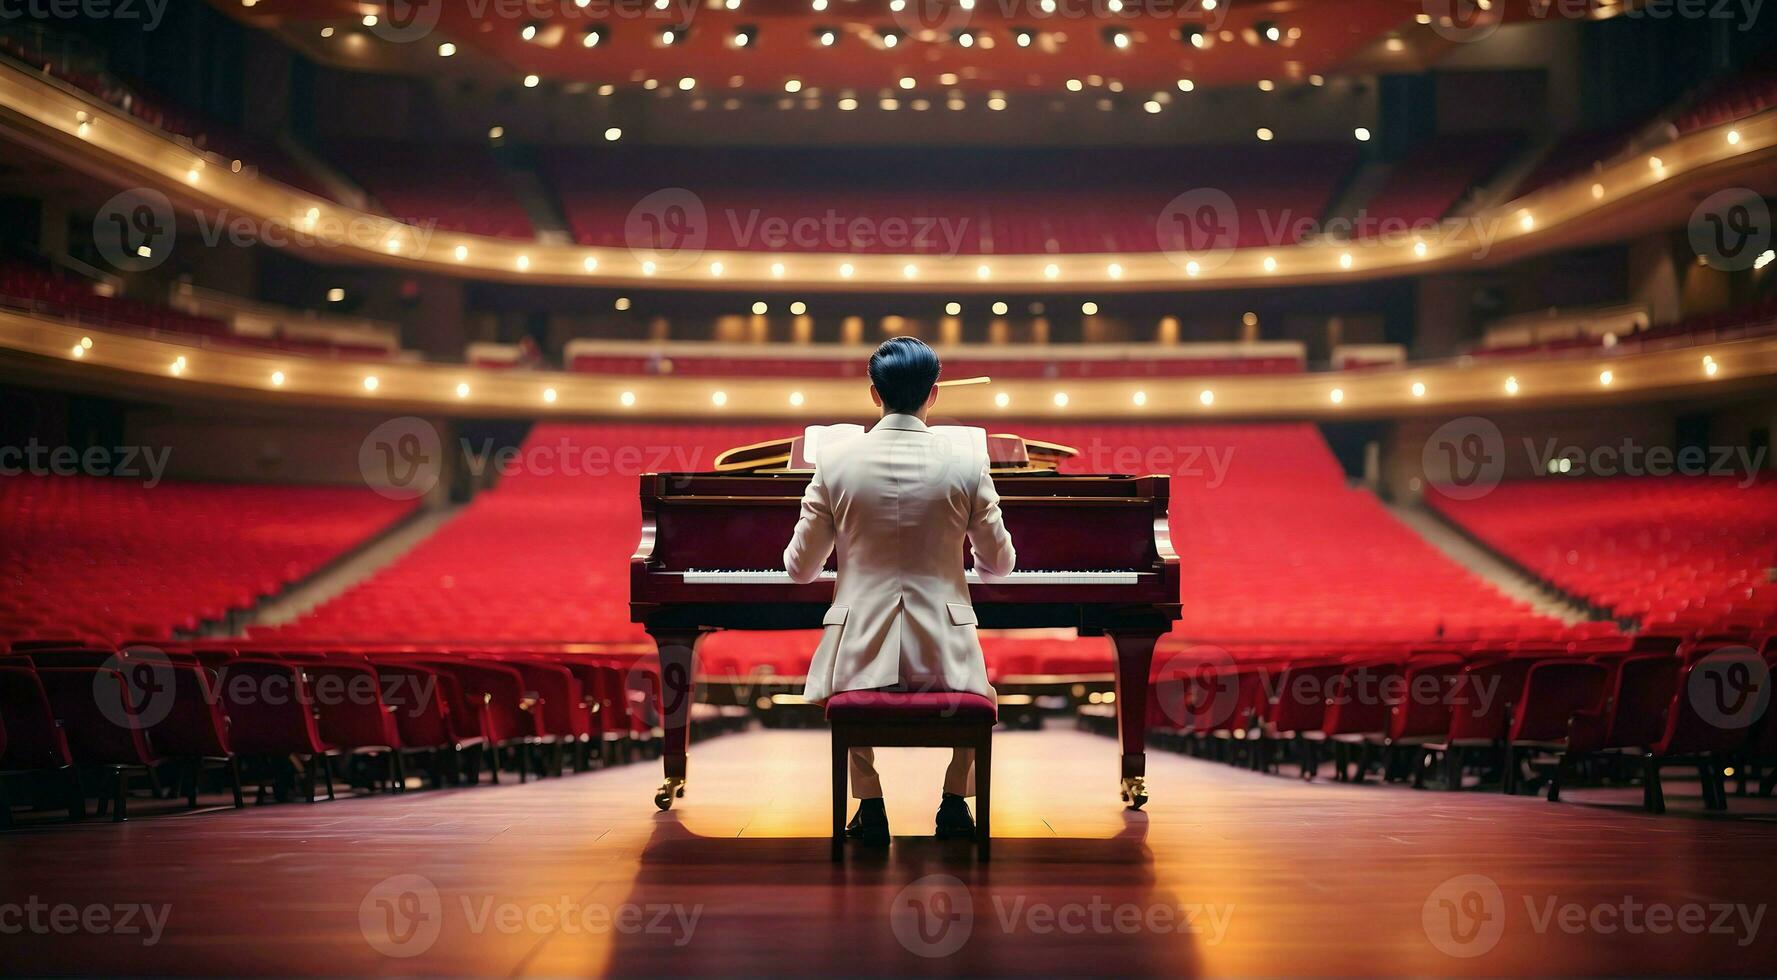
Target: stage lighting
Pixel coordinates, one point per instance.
(1024, 37)
(1196, 37)
(1267, 31)
(592, 38)
(889, 38)
(529, 31)
(743, 37)
(964, 38)
(1117, 38)
(826, 37)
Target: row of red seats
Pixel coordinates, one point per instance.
(41, 292)
(1489, 707)
(471, 194)
(1275, 547)
(1751, 320)
(1160, 365)
(1693, 551)
(1737, 96)
(978, 202)
(144, 708)
(1429, 181)
(121, 557)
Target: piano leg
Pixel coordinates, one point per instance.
(1135, 658)
(678, 689)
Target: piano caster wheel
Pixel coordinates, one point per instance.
(1135, 791)
(672, 789)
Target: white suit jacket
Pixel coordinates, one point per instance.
(898, 501)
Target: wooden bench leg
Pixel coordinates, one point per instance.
(984, 794)
(841, 761)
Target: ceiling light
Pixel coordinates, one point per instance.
(796, 399)
(798, 308)
(549, 395)
(1061, 399)
(277, 379)
(1001, 400)
(1418, 389)
(1362, 134)
(370, 381)
(627, 399)
(1089, 308)
(1264, 135)
(1206, 397)
(1140, 398)
(760, 309)
(719, 398)
(1337, 395)
(953, 308)
(446, 50)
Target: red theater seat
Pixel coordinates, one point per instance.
(271, 712)
(33, 740)
(95, 710)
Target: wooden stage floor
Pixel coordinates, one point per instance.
(1226, 873)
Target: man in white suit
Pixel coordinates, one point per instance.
(898, 501)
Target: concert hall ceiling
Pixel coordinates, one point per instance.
(869, 45)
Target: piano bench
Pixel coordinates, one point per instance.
(920, 719)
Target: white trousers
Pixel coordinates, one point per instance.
(866, 784)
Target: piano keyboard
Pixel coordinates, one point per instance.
(767, 576)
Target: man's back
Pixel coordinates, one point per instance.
(897, 503)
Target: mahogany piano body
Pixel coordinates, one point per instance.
(1089, 525)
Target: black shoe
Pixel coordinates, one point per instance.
(870, 824)
(954, 820)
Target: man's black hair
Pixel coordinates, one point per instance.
(903, 370)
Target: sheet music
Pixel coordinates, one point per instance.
(964, 439)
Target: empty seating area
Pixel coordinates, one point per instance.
(1753, 319)
(183, 719)
(33, 289)
(1432, 179)
(1687, 552)
(1279, 550)
(470, 195)
(1518, 716)
(1186, 360)
(935, 202)
(1739, 95)
(114, 559)
(37, 290)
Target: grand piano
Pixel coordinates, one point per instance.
(1094, 554)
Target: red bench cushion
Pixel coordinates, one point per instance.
(903, 706)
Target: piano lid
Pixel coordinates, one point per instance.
(1006, 453)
